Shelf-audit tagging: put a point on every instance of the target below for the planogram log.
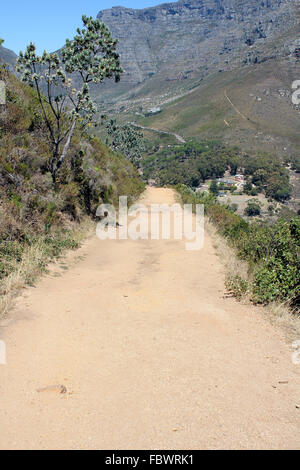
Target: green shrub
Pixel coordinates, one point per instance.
(253, 208)
(273, 252)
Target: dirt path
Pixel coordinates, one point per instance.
(151, 356)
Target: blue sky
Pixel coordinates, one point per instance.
(49, 23)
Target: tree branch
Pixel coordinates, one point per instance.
(42, 106)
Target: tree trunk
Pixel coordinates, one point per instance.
(65, 150)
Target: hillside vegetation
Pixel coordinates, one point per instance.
(250, 107)
(271, 252)
(34, 212)
(195, 162)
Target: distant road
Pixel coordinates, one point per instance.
(178, 137)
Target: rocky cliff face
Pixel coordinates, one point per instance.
(179, 39)
(8, 57)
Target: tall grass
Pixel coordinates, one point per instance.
(37, 253)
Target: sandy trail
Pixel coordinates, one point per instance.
(151, 354)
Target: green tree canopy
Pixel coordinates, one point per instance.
(213, 189)
(90, 57)
(126, 139)
(253, 208)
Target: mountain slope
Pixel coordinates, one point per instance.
(250, 106)
(7, 56)
(216, 69)
(178, 42)
(34, 213)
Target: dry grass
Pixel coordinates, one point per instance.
(279, 314)
(232, 265)
(31, 266)
(28, 268)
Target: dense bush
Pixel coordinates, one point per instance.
(273, 252)
(253, 208)
(269, 175)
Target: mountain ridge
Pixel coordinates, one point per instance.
(8, 56)
(247, 49)
(180, 39)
